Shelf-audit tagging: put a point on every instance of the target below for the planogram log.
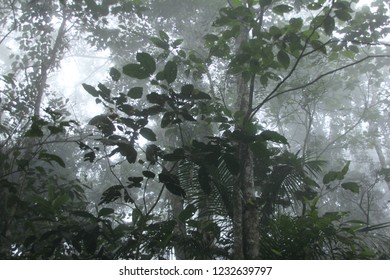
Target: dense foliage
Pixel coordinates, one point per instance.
(236, 129)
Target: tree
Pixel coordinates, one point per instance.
(212, 126)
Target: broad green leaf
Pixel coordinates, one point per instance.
(147, 62)
(103, 123)
(135, 92)
(159, 43)
(354, 48)
(148, 134)
(111, 194)
(295, 24)
(115, 74)
(167, 119)
(329, 25)
(273, 136)
(352, 186)
(187, 116)
(164, 36)
(177, 42)
(275, 31)
(210, 38)
(283, 59)
(172, 183)
(170, 71)
(151, 153)
(348, 54)
(343, 15)
(50, 158)
(91, 90)
(282, 9)
(105, 212)
(104, 92)
(135, 71)
(128, 151)
(318, 45)
(330, 177)
(156, 98)
(187, 213)
(34, 131)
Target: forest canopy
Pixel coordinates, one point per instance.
(183, 129)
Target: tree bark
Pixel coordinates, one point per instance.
(245, 215)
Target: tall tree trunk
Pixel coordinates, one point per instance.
(180, 228)
(245, 215)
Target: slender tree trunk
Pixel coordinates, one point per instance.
(180, 228)
(245, 215)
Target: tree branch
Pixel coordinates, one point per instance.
(272, 93)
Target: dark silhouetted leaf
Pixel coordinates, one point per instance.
(115, 74)
(128, 151)
(34, 131)
(283, 59)
(135, 92)
(135, 71)
(167, 119)
(295, 24)
(91, 90)
(177, 43)
(329, 25)
(151, 153)
(148, 134)
(50, 158)
(273, 136)
(111, 194)
(159, 43)
(163, 35)
(147, 62)
(187, 213)
(343, 15)
(352, 186)
(172, 183)
(148, 174)
(281, 9)
(105, 212)
(170, 71)
(187, 116)
(103, 123)
(90, 156)
(156, 98)
(329, 177)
